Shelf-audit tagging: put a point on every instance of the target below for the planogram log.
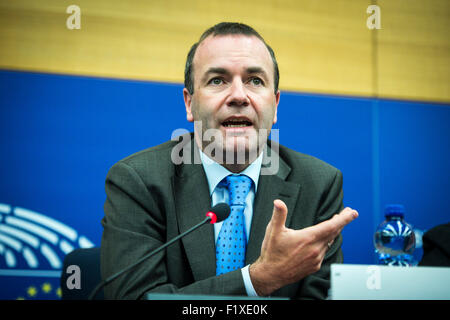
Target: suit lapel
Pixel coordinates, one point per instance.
(192, 201)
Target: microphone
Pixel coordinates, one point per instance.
(218, 213)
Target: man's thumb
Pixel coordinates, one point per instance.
(279, 214)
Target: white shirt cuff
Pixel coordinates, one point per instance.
(248, 282)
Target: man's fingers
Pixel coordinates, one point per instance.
(342, 219)
(346, 216)
(331, 228)
(279, 215)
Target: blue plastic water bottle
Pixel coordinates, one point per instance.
(394, 239)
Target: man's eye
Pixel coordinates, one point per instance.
(216, 81)
(256, 81)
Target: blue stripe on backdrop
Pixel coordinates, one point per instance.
(415, 160)
(60, 134)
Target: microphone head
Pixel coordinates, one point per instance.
(219, 212)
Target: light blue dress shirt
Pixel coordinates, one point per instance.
(216, 173)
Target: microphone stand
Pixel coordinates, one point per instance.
(116, 275)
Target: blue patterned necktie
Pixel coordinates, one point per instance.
(232, 240)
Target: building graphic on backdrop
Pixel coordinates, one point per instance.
(32, 249)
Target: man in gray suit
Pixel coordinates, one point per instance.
(292, 212)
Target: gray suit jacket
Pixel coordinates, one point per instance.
(150, 200)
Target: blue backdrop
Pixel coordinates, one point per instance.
(60, 134)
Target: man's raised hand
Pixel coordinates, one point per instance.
(289, 255)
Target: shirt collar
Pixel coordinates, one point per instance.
(216, 173)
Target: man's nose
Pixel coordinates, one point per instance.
(238, 94)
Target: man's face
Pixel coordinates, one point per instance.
(233, 92)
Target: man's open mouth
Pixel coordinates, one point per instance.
(237, 123)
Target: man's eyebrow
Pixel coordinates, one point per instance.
(253, 70)
(223, 71)
(214, 70)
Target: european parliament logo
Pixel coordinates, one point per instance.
(32, 249)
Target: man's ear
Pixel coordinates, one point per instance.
(277, 101)
(187, 103)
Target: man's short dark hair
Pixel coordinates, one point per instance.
(222, 29)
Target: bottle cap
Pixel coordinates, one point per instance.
(394, 210)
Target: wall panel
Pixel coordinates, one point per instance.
(322, 46)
